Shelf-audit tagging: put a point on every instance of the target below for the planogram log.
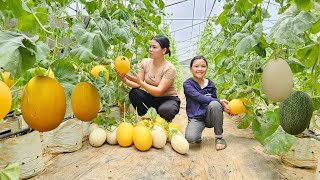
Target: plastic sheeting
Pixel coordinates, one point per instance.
(26, 150)
(67, 137)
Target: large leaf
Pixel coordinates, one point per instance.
(278, 143)
(305, 5)
(92, 5)
(308, 55)
(139, 3)
(315, 28)
(29, 22)
(290, 27)
(66, 75)
(316, 102)
(246, 40)
(266, 126)
(15, 6)
(295, 65)
(83, 54)
(243, 5)
(256, 1)
(120, 30)
(104, 24)
(11, 171)
(245, 122)
(223, 16)
(42, 50)
(91, 39)
(18, 52)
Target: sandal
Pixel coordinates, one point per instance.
(220, 141)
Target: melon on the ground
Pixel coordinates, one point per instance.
(142, 138)
(125, 134)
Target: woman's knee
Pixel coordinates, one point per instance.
(133, 92)
(168, 112)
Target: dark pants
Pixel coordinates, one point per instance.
(167, 107)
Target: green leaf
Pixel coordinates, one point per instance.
(92, 40)
(120, 30)
(305, 5)
(17, 52)
(140, 4)
(11, 171)
(316, 102)
(315, 28)
(290, 27)
(236, 20)
(308, 55)
(28, 22)
(160, 4)
(104, 24)
(245, 122)
(265, 126)
(243, 5)
(223, 16)
(295, 65)
(256, 1)
(151, 113)
(65, 73)
(278, 143)
(260, 50)
(42, 50)
(15, 6)
(246, 40)
(92, 5)
(84, 54)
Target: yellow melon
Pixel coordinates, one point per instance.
(100, 68)
(236, 106)
(6, 79)
(142, 138)
(122, 64)
(125, 134)
(85, 101)
(5, 100)
(174, 126)
(43, 103)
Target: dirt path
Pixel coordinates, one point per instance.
(242, 159)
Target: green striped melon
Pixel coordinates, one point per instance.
(296, 112)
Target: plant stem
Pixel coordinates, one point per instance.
(41, 24)
(314, 70)
(16, 90)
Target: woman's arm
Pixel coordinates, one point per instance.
(129, 83)
(156, 91)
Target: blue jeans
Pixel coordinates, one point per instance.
(213, 119)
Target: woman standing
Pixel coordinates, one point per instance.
(153, 85)
(204, 109)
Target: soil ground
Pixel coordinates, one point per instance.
(242, 159)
